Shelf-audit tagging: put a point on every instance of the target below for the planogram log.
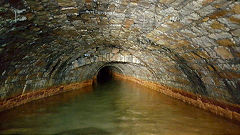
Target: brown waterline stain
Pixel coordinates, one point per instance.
(220, 108)
(39, 94)
(227, 110)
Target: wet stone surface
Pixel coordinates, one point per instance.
(114, 108)
(182, 44)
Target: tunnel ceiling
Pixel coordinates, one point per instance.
(192, 45)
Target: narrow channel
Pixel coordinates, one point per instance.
(113, 108)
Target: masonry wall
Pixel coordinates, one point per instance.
(189, 45)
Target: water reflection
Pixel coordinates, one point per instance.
(85, 131)
(116, 108)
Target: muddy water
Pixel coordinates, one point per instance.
(114, 108)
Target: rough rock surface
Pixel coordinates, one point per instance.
(193, 45)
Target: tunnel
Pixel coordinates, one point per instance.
(186, 50)
(105, 74)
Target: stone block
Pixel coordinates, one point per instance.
(225, 42)
(224, 52)
(236, 9)
(218, 14)
(128, 23)
(217, 25)
(236, 32)
(206, 10)
(235, 19)
(221, 35)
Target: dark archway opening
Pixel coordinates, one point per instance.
(105, 74)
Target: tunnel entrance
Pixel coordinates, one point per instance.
(105, 74)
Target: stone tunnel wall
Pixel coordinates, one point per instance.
(191, 45)
(79, 68)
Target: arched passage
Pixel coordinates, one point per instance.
(106, 73)
(190, 45)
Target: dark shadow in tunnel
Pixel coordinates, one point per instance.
(105, 74)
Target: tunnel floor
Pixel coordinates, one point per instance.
(116, 108)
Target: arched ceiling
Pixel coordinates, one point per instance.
(192, 45)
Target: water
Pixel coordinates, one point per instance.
(115, 108)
